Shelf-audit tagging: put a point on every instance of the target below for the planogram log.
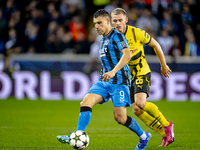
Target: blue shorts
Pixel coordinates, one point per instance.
(119, 94)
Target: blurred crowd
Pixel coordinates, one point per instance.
(65, 26)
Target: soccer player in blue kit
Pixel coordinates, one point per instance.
(114, 81)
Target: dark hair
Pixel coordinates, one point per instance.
(101, 12)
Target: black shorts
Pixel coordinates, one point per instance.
(140, 84)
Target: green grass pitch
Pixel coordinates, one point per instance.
(34, 125)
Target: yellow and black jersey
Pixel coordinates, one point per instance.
(136, 37)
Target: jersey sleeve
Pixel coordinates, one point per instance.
(120, 41)
(143, 36)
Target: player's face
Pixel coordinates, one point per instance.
(119, 22)
(101, 24)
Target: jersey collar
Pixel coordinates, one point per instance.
(109, 33)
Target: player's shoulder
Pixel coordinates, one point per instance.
(129, 27)
(118, 34)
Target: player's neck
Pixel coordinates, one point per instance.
(124, 31)
(108, 31)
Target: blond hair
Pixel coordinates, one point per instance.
(118, 11)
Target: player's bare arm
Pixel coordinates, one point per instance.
(165, 70)
(126, 57)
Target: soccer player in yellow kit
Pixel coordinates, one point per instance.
(141, 75)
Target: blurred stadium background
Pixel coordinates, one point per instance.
(49, 48)
(49, 54)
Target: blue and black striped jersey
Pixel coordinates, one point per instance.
(110, 54)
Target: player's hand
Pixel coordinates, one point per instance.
(165, 71)
(108, 75)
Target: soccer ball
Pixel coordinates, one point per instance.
(79, 140)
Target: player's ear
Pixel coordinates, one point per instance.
(108, 21)
(126, 19)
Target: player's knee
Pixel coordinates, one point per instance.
(141, 105)
(120, 119)
(81, 103)
(137, 111)
(84, 102)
